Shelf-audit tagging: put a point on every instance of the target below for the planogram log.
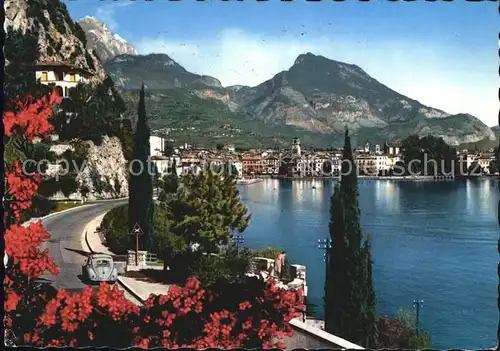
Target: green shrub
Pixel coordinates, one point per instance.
(118, 236)
(227, 266)
(268, 252)
(116, 229)
(399, 332)
(118, 186)
(41, 206)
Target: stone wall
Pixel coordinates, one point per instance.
(307, 336)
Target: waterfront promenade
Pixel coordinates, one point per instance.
(405, 178)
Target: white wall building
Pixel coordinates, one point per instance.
(374, 164)
(394, 150)
(62, 75)
(239, 167)
(164, 163)
(157, 145)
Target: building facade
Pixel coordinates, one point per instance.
(252, 164)
(157, 145)
(62, 75)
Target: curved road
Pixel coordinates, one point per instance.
(65, 244)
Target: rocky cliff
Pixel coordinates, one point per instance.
(102, 41)
(105, 172)
(59, 38)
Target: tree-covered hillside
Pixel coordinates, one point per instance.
(185, 117)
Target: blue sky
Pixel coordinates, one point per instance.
(443, 54)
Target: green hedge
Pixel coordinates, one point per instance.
(118, 237)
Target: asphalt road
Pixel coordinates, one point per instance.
(65, 244)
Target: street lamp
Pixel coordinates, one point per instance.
(238, 239)
(324, 244)
(418, 304)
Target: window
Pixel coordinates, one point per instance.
(44, 76)
(103, 263)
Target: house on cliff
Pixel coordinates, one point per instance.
(63, 76)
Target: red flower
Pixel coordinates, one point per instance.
(11, 302)
(33, 119)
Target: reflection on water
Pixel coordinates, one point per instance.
(435, 240)
(387, 196)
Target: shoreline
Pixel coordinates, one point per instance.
(249, 181)
(405, 178)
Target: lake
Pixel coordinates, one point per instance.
(435, 241)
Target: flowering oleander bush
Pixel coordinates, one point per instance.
(252, 314)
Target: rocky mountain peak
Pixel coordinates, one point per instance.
(105, 43)
(324, 95)
(157, 71)
(59, 38)
(309, 57)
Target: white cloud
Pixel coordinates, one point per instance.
(106, 13)
(431, 75)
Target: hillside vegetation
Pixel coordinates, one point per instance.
(207, 122)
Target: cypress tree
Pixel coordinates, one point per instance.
(173, 183)
(370, 318)
(349, 293)
(336, 270)
(140, 209)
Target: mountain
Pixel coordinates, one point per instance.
(157, 71)
(101, 40)
(324, 95)
(193, 108)
(184, 116)
(316, 94)
(59, 38)
(496, 130)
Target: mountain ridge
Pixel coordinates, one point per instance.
(103, 41)
(321, 95)
(156, 71)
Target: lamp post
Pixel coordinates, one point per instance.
(238, 239)
(417, 304)
(324, 244)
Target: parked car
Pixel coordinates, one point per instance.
(100, 268)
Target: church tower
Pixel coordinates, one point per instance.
(296, 147)
(367, 147)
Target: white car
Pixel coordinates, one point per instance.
(100, 268)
